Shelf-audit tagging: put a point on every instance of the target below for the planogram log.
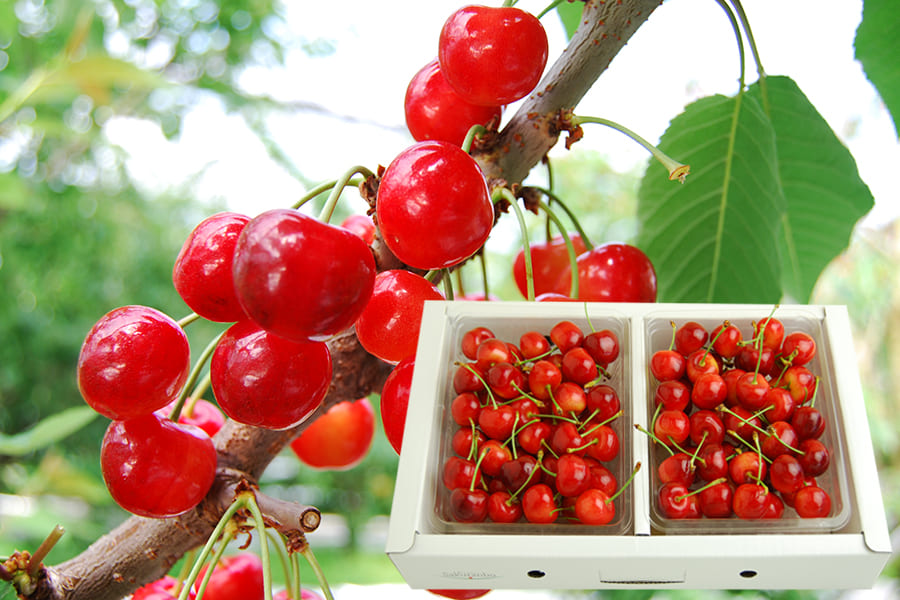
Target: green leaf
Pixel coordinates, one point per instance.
(715, 238)
(876, 43)
(570, 16)
(824, 194)
(46, 432)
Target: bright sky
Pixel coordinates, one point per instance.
(685, 50)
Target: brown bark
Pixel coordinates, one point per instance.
(141, 550)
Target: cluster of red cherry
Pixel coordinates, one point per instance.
(537, 428)
(737, 423)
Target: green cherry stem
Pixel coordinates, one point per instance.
(576, 223)
(448, 284)
(221, 530)
(196, 395)
(260, 523)
(570, 249)
(550, 7)
(194, 376)
(338, 188)
(473, 132)
(282, 552)
(216, 557)
(187, 320)
(317, 569)
(676, 169)
(505, 194)
(34, 562)
(653, 437)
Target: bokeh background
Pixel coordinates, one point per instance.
(124, 123)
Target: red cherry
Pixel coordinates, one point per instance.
(675, 501)
(388, 326)
(603, 443)
(815, 457)
(603, 346)
(497, 422)
(472, 338)
(747, 467)
(539, 504)
(667, 365)
(779, 405)
(548, 259)
(300, 278)
(464, 409)
(203, 268)
(569, 399)
(202, 413)
(771, 330)
(465, 594)
(713, 462)
(690, 337)
(812, 502)
(161, 589)
(716, 500)
(503, 508)
(533, 344)
(492, 351)
(543, 378)
(532, 436)
(781, 438)
(516, 473)
(505, 380)
(394, 401)
(801, 383)
(466, 443)
(578, 366)
(786, 474)
(706, 427)
(460, 473)
(808, 422)
(493, 454)
(268, 381)
(433, 206)
(677, 468)
(699, 362)
(492, 55)
(672, 426)
(612, 272)
(752, 390)
(154, 467)
(468, 377)
(573, 475)
(672, 395)
(434, 111)
(709, 391)
(798, 348)
(750, 501)
(726, 340)
(603, 402)
(566, 335)
(361, 225)
(237, 577)
(750, 358)
(339, 439)
(133, 361)
(593, 507)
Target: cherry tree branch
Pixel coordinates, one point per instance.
(141, 550)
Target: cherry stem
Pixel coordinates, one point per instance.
(321, 188)
(506, 194)
(570, 248)
(282, 551)
(473, 132)
(551, 6)
(654, 438)
(751, 424)
(473, 447)
(448, 285)
(637, 467)
(475, 476)
(330, 204)
(483, 382)
(740, 42)
(676, 169)
(537, 466)
(569, 213)
(674, 330)
(34, 562)
(187, 320)
(604, 422)
(317, 569)
(196, 395)
(194, 376)
(700, 489)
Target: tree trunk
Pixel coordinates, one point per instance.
(141, 550)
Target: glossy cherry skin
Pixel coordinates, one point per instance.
(395, 400)
(492, 55)
(812, 502)
(690, 337)
(161, 589)
(539, 504)
(133, 361)
(593, 507)
(203, 414)
(202, 274)
(361, 225)
(388, 326)
(339, 439)
(472, 338)
(434, 111)
(236, 577)
(300, 278)
(433, 206)
(676, 502)
(667, 365)
(612, 272)
(469, 505)
(268, 381)
(502, 508)
(548, 259)
(750, 501)
(798, 347)
(154, 467)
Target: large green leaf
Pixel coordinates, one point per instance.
(47, 431)
(715, 238)
(876, 43)
(824, 194)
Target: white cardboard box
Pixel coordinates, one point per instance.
(797, 554)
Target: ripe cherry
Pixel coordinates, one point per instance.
(566, 335)
(497, 421)
(361, 225)
(706, 427)
(236, 577)
(672, 395)
(339, 439)
(201, 413)
(265, 380)
(771, 330)
(603, 402)
(543, 378)
(612, 272)
(678, 468)
(716, 499)
(812, 502)
(533, 344)
(388, 326)
(798, 348)
(808, 422)
(165, 588)
(503, 508)
(594, 507)
(472, 338)
(726, 339)
(133, 361)
(154, 467)
(750, 500)
(548, 259)
(464, 409)
(578, 366)
(202, 274)
(395, 400)
(690, 337)
(801, 383)
(300, 278)
(505, 380)
(603, 346)
(539, 504)
(573, 475)
(469, 505)
(492, 55)
(434, 111)
(786, 474)
(815, 457)
(433, 206)
(672, 426)
(699, 362)
(675, 501)
(709, 391)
